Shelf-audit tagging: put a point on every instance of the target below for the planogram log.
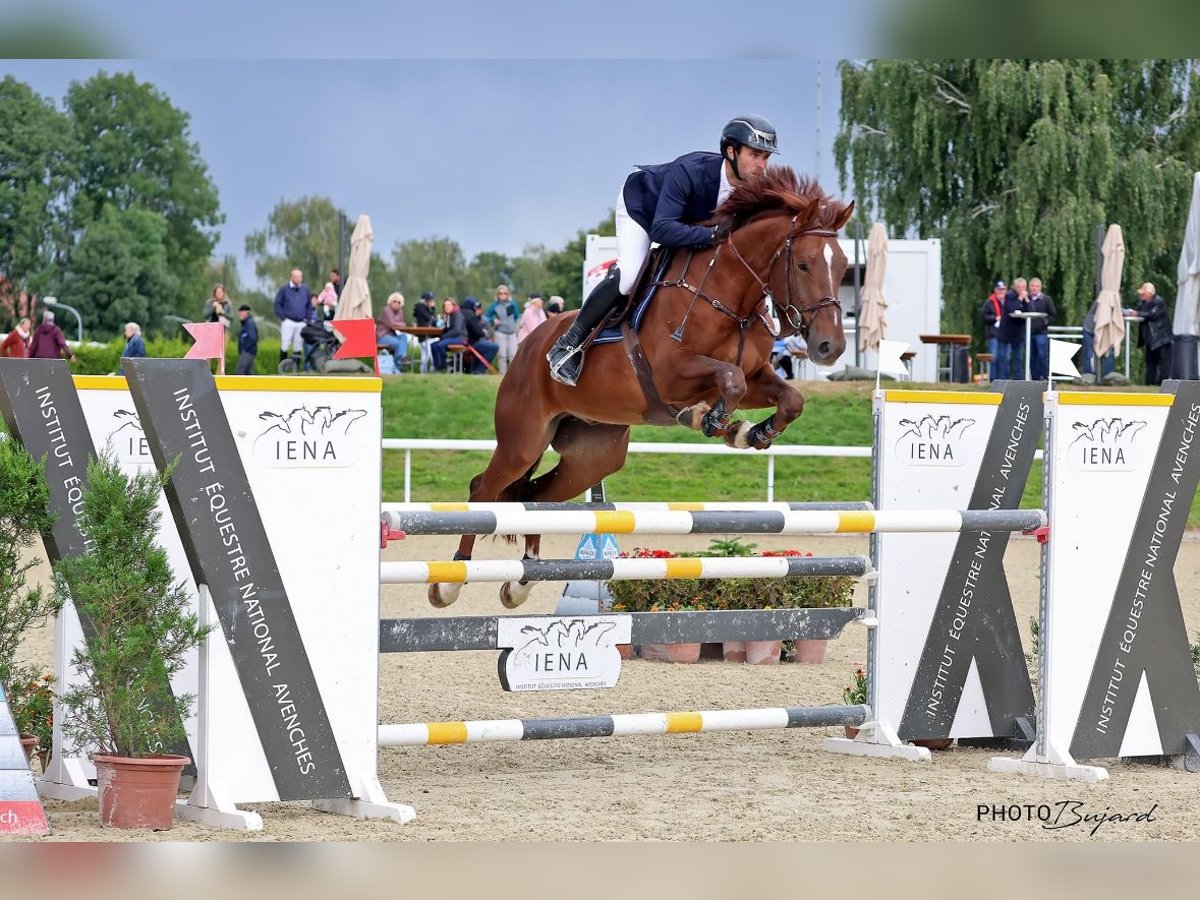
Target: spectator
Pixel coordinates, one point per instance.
(1155, 334)
(388, 325)
(504, 317)
(293, 304)
(533, 316)
(327, 301)
(477, 337)
(1089, 345)
(216, 307)
(48, 341)
(453, 332)
(555, 306)
(16, 344)
(247, 342)
(1010, 337)
(1039, 363)
(425, 312)
(992, 313)
(135, 347)
(335, 279)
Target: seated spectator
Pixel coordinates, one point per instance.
(425, 312)
(16, 344)
(387, 325)
(477, 336)
(454, 332)
(134, 345)
(531, 318)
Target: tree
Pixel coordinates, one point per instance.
(36, 167)
(381, 281)
(529, 270)
(135, 150)
(564, 268)
(303, 234)
(1014, 164)
(120, 270)
(433, 264)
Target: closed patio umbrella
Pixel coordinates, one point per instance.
(872, 324)
(1187, 302)
(1110, 322)
(355, 302)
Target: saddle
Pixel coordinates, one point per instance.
(635, 308)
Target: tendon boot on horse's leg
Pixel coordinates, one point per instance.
(566, 356)
(442, 594)
(514, 593)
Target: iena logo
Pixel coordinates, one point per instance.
(933, 440)
(127, 440)
(303, 438)
(1106, 445)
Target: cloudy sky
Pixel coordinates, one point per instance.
(496, 154)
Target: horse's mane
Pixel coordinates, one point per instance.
(780, 191)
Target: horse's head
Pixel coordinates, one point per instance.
(786, 229)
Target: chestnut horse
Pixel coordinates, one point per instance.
(707, 340)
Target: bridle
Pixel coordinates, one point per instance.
(764, 310)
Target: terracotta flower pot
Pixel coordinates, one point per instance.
(626, 651)
(934, 743)
(28, 744)
(764, 653)
(851, 731)
(138, 793)
(676, 653)
(811, 651)
(733, 651)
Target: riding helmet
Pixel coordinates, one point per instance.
(749, 131)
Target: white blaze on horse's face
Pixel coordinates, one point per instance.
(829, 267)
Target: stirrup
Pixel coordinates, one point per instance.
(565, 370)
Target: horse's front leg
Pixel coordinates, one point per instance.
(697, 375)
(766, 389)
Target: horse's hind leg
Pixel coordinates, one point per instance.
(588, 454)
(512, 463)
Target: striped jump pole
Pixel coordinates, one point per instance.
(719, 506)
(524, 570)
(522, 521)
(427, 734)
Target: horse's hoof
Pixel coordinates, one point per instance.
(739, 435)
(442, 595)
(693, 416)
(513, 593)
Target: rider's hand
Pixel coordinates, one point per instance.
(716, 235)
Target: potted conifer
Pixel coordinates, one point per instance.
(142, 632)
(24, 516)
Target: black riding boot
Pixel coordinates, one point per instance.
(566, 356)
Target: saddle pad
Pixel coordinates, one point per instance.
(612, 334)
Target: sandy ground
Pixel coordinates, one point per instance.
(750, 786)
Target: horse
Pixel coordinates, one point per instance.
(702, 352)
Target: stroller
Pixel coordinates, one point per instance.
(320, 343)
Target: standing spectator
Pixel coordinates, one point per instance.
(293, 304)
(16, 344)
(504, 316)
(216, 307)
(454, 332)
(1039, 363)
(1010, 337)
(425, 312)
(992, 314)
(135, 347)
(1155, 334)
(477, 337)
(388, 325)
(335, 279)
(1089, 345)
(533, 316)
(555, 306)
(327, 302)
(48, 341)
(247, 342)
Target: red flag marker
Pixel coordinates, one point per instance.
(210, 342)
(358, 339)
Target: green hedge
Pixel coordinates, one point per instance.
(106, 359)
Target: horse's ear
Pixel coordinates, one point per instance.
(804, 218)
(844, 217)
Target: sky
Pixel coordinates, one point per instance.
(496, 154)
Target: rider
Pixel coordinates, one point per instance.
(661, 203)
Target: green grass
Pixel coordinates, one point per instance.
(460, 406)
